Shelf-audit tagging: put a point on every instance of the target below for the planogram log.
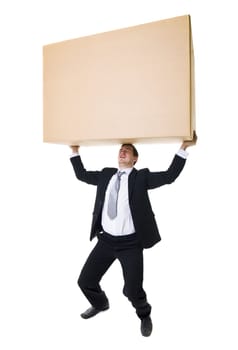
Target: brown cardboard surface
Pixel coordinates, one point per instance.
(134, 84)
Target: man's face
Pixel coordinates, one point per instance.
(126, 159)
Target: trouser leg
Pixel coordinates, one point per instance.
(132, 265)
(95, 267)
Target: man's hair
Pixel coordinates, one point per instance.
(135, 152)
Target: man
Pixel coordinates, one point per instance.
(124, 224)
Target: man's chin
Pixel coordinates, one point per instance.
(122, 163)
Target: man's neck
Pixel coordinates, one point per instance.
(125, 166)
(126, 169)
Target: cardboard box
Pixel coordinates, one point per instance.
(130, 85)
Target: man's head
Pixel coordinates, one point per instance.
(127, 156)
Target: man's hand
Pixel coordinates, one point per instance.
(75, 149)
(189, 143)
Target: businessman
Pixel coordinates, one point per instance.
(124, 224)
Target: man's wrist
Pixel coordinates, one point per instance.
(182, 153)
(74, 154)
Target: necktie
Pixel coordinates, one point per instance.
(113, 196)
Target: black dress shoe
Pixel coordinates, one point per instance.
(146, 326)
(92, 311)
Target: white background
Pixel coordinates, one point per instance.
(191, 275)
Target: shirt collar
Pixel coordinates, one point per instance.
(126, 170)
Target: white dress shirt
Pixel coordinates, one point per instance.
(122, 224)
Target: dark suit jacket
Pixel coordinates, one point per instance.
(140, 181)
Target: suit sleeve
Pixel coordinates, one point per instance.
(157, 179)
(90, 177)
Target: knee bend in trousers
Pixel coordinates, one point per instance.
(134, 294)
(87, 284)
(82, 282)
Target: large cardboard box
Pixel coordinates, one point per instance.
(130, 85)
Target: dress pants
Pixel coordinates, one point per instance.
(130, 255)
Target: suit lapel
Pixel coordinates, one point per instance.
(131, 182)
(107, 177)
